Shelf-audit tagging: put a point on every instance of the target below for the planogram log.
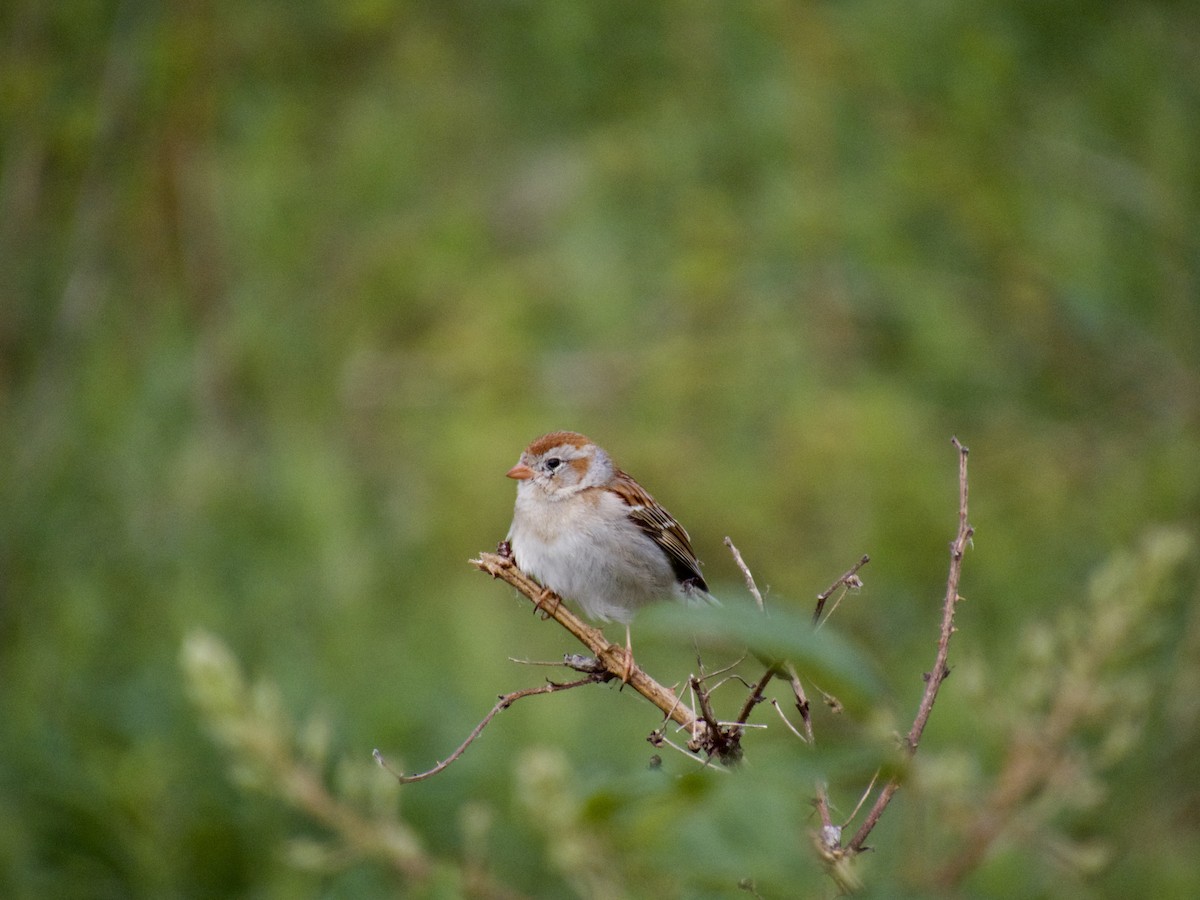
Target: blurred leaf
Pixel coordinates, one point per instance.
(776, 636)
(283, 296)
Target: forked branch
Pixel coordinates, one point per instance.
(847, 580)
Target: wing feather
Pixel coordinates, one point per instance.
(661, 528)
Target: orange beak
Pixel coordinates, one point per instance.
(520, 472)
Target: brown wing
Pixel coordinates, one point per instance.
(662, 529)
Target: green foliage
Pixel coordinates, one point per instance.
(285, 289)
(778, 636)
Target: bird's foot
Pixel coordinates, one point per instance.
(541, 604)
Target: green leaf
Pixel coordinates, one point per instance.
(825, 656)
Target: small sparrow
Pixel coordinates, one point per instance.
(590, 533)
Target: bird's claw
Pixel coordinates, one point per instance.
(543, 598)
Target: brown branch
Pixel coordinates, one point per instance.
(774, 669)
(756, 695)
(611, 656)
(802, 704)
(505, 701)
(1046, 743)
(706, 710)
(745, 570)
(933, 679)
(847, 578)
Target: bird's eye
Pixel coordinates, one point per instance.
(553, 463)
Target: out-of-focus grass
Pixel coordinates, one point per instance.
(283, 294)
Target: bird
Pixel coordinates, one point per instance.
(591, 534)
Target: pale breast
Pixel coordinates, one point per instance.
(591, 552)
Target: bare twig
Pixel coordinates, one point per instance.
(756, 695)
(728, 678)
(708, 676)
(664, 741)
(861, 800)
(828, 843)
(802, 705)
(505, 701)
(1087, 667)
(933, 679)
(792, 728)
(546, 663)
(775, 668)
(772, 669)
(702, 700)
(847, 579)
(612, 657)
(745, 570)
(722, 739)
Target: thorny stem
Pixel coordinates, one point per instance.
(756, 695)
(702, 701)
(934, 679)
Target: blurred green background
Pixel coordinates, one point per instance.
(286, 288)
